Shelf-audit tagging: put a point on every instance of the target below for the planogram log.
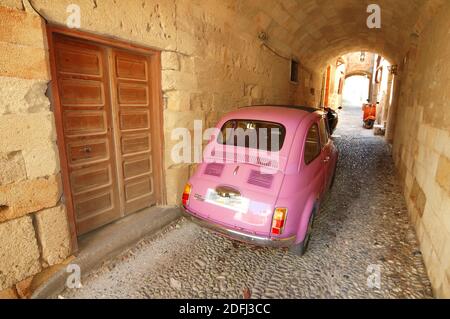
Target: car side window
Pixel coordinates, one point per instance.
(323, 132)
(312, 144)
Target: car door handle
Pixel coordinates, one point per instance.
(327, 159)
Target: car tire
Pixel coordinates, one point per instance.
(300, 248)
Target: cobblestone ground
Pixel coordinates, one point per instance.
(363, 222)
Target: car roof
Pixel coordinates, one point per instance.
(309, 109)
(288, 115)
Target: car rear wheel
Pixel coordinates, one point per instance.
(300, 248)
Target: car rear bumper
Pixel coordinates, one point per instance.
(240, 236)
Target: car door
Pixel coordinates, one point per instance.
(314, 158)
(326, 153)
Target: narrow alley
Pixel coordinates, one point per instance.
(362, 226)
(116, 115)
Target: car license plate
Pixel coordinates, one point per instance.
(235, 203)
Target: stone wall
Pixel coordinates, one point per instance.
(421, 146)
(212, 62)
(34, 232)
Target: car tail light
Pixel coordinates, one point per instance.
(279, 220)
(186, 194)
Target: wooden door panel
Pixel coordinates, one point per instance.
(91, 178)
(133, 167)
(80, 63)
(139, 187)
(131, 67)
(85, 123)
(86, 151)
(83, 87)
(97, 204)
(76, 92)
(134, 94)
(133, 120)
(78, 57)
(133, 116)
(133, 144)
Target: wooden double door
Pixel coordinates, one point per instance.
(109, 129)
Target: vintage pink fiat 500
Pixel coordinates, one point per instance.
(264, 191)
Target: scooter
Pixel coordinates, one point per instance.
(333, 118)
(369, 114)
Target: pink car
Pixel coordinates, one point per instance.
(263, 175)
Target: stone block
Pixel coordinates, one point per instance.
(426, 248)
(187, 64)
(174, 80)
(435, 229)
(42, 161)
(435, 194)
(443, 174)
(22, 96)
(12, 168)
(186, 43)
(444, 212)
(170, 61)
(15, 4)
(22, 198)
(201, 101)
(26, 131)
(23, 62)
(180, 120)
(418, 197)
(20, 27)
(53, 234)
(442, 139)
(177, 100)
(19, 252)
(435, 274)
(445, 290)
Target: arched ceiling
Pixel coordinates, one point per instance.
(319, 30)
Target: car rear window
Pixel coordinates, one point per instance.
(261, 135)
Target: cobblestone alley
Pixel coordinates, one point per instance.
(363, 226)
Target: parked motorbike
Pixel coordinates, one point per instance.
(333, 118)
(369, 114)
